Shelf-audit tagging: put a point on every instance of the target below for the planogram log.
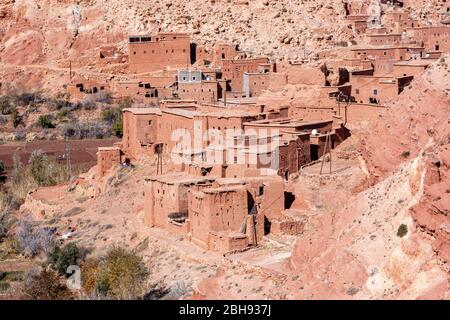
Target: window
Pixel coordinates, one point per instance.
(149, 122)
(193, 78)
(375, 92)
(357, 91)
(261, 190)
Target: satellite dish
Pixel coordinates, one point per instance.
(314, 132)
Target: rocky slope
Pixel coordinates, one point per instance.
(418, 125)
(391, 240)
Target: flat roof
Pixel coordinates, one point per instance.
(413, 63)
(231, 188)
(285, 122)
(143, 111)
(179, 178)
(108, 148)
(382, 47)
(181, 112)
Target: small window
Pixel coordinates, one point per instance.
(149, 122)
(375, 92)
(261, 190)
(357, 91)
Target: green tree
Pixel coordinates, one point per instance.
(61, 259)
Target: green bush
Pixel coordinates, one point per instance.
(6, 106)
(402, 230)
(117, 128)
(405, 154)
(110, 115)
(113, 116)
(61, 259)
(16, 118)
(121, 274)
(45, 122)
(60, 100)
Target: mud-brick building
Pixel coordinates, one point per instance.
(107, 158)
(215, 55)
(377, 89)
(149, 53)
(233, 71)
(203, 87)
(140, 127)
(221, 215)
(410, 68)
(392, 52)
(80, 88)
(432, 38)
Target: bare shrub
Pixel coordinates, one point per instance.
(45, 284)
(89, 103)
(103, 97)
(59, 101)
(33, 240)
(84, 130)
(40, 168)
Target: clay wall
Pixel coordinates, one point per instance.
(233, 70)
(432, 38)
(106, 159)
(156, 52)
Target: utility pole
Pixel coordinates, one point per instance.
(70, 71)
(327, 146)
(159, 164)
(225, 97)
(68, 158)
